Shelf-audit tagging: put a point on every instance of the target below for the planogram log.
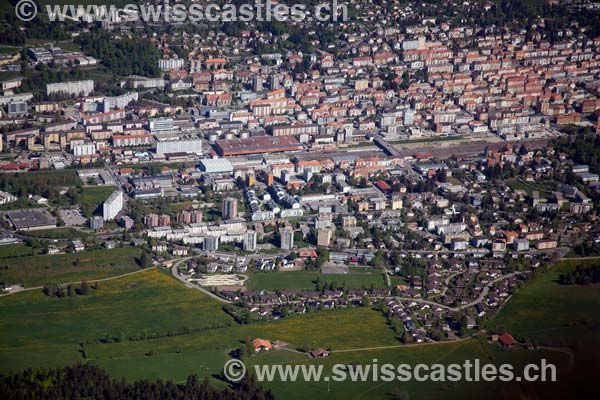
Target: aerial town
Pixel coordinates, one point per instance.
(423, 164)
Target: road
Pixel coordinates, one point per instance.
(191, 285)
(482, 295)
(78, 282)
(397, 346)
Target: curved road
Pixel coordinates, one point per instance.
(482, 295)
(191, 285)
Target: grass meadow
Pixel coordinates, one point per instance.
(37, 270)
(179, 331)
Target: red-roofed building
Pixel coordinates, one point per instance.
(261, 344)
(383, 186)
(507, 340)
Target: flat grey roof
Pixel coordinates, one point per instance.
(30, 218)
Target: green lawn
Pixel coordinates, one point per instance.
(529, 187)
(15, 250)
(20, 204)
(357, 280)
(50, 178)
(550, 313)
(446, 353)
(91, 198)
(184, 205)
(58, 233)
(9, 50)
(306, 280)
(287, 280)
(44, 331)
(146, 303)
(41, 269)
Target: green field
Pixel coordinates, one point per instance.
(529, 187)
(553, 314)
(146, 303)
(91, 198)
(306, 280)
(287, 280)
(58, 233)
(357, 280)
(445, 353)
(15, 250)
(50, 178)
(41, 269)
(9, 50)
(186, 332)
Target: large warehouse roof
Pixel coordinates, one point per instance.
(258, 144)
(31, 219)
(216, 165)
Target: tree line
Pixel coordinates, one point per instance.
(44, 184)
(83, 381)
(68, 290)
(126, 56)
(582, 275)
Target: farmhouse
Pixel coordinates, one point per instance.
(261, 344)
(319, 353)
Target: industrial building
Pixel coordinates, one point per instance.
(31, 220)
(168, 143)
(257, 145)
(216, 166)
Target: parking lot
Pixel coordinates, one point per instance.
(72, 217)
(334, 268)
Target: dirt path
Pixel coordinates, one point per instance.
(77, 282)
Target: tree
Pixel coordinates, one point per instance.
(145, 260)
(407, 338)
(365, 301)
(84, 289)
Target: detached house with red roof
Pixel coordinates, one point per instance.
(261, 345)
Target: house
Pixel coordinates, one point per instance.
(506, 340)
(319, 353)
(212, 268)
(261, 345)
(307, 253)
(179, 251)
(225, 268)
(471, 323)
(53, 250)
(109, 244)
(78, 245)
(241, 268)
(159, 247)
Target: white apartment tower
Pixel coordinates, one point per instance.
(113, 205)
